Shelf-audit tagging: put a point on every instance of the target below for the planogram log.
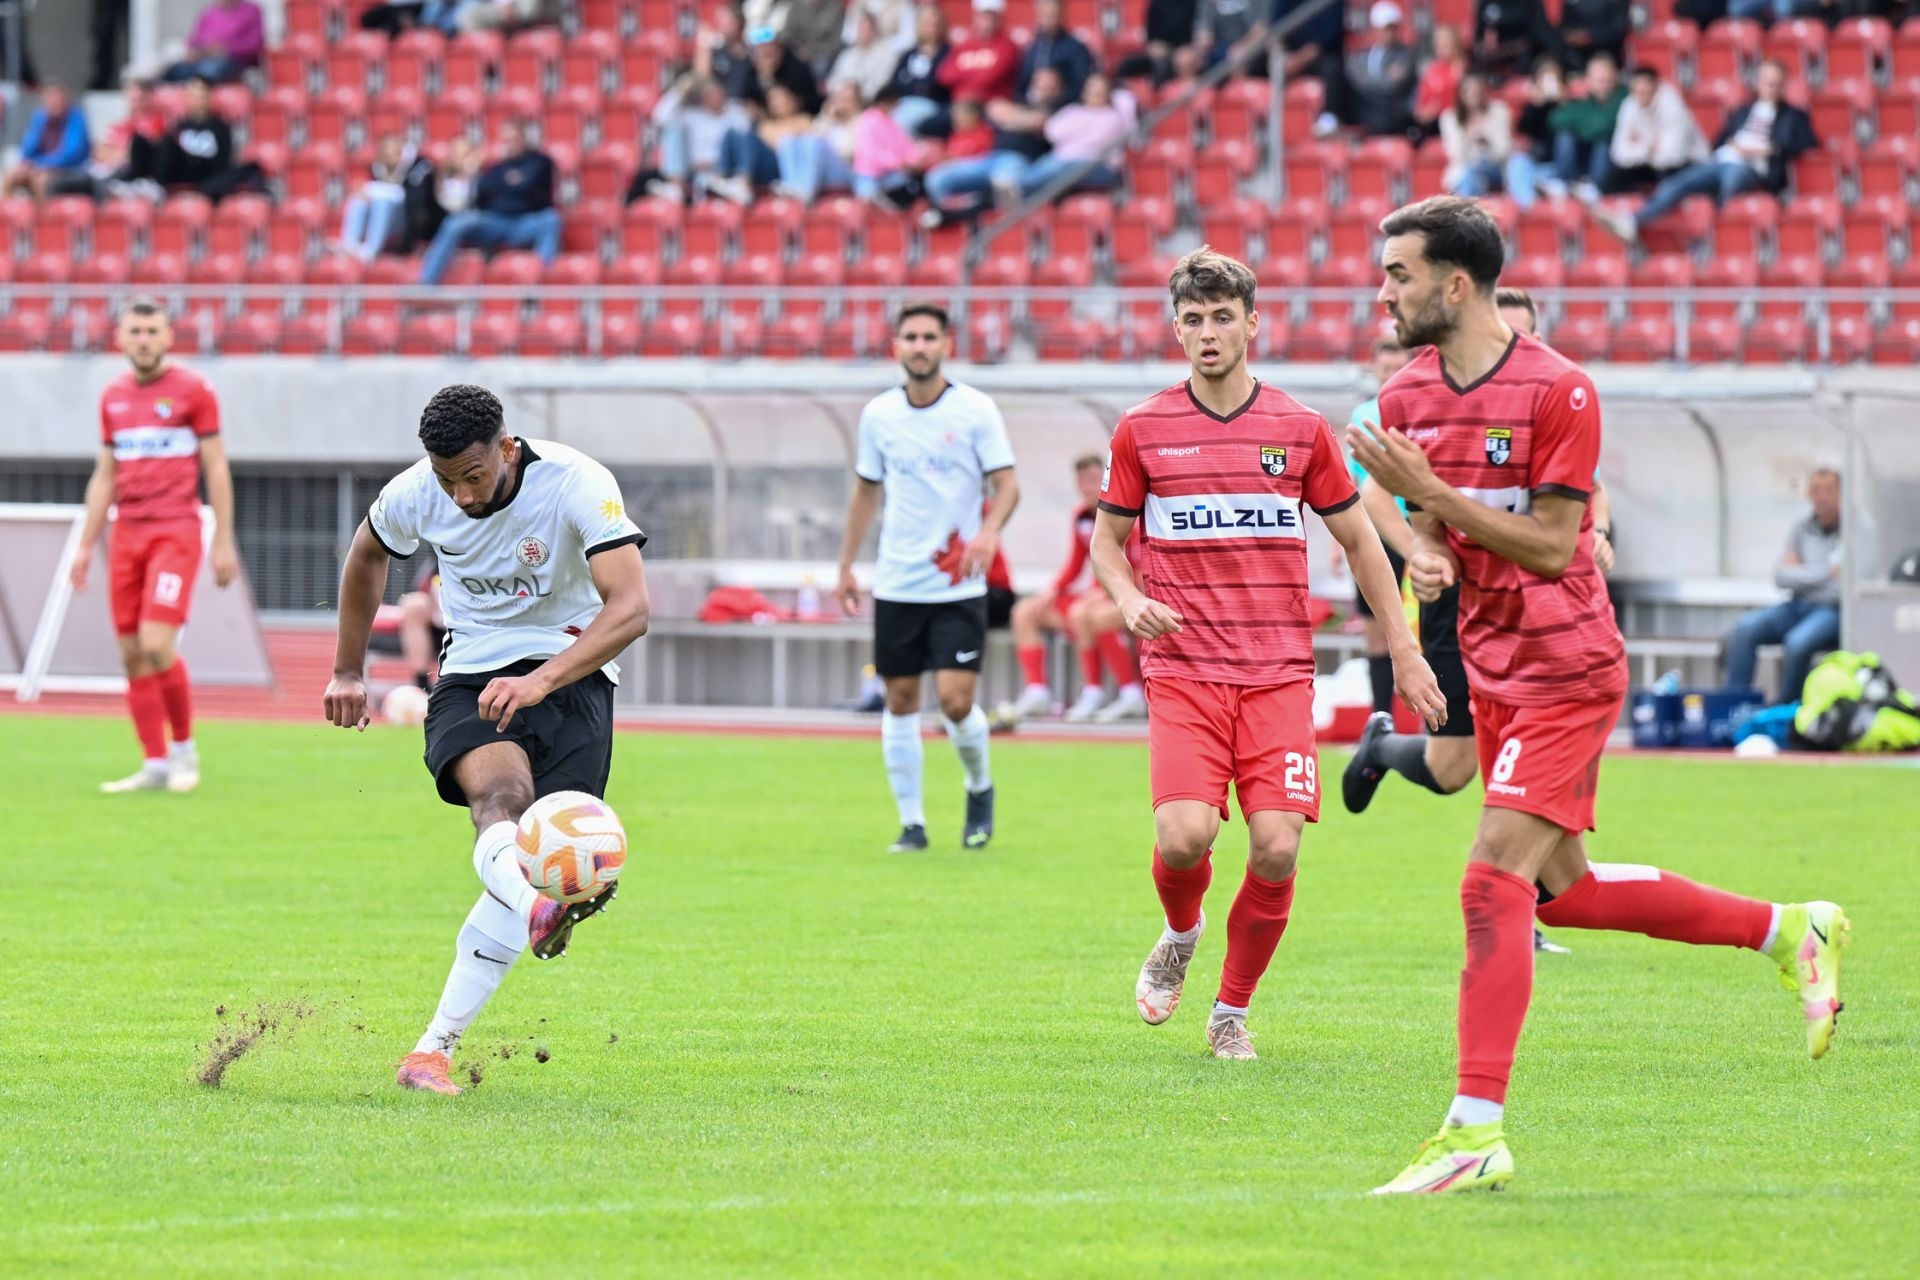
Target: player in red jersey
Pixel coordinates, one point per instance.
(1084, 612)
(160, 435)
(1491, 437)
(1220, 466)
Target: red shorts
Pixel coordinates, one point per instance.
(1544, 760)
(1202, 735)
(152, 565)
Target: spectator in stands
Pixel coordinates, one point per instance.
(375, 219)
(1054, 46)
(226, 42)
(55, 146)
(1770, 10)
(1583, 130)
(1587, 27)
(512, 208)
(455, 181)
(1508, 33)
(775, 64)
(921, 96)
(982, 67)
(1170, 27)
(126, 155)
(693, 119)
(491, 15)
(750, 158)
(1478, 135)
(1529, 163)
(1439, 80)
(1808, 621)
(198, 155)
(887, 160)
(893, 20)
(866, 63)
(1084, 131)
(821, 158)
(1755, 148)
(720, 53)
(1381, 77)
(810, 29)
(963, 187)
(1656, 135)
(1317, 49)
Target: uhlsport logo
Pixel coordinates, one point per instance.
(1499, 445)
(1273, 460)
(1578, 400)
(531, 552)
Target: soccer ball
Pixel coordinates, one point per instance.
(570, 845)
(404, 704)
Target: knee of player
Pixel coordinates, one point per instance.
(158, 658)
(955, 707)
(502, 801)
(1452, 771)
(1184, 844)
(1274, 857)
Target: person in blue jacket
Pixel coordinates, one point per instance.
(56, 142)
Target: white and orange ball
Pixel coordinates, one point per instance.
(571, 845)
(405, 704)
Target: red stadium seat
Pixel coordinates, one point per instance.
(1314, 169)
(101, 268)
(218, 268)
(1849, 339)
(429, 333)
(277, 273)
(1549, 228)
(1655, 281)
(1304, 103)
(1842, 109)
(1239, 110)
(1072, 338)
(1905, 54)
(1679, 231)
(772, 226)
(159, 268)
(1747, 226)
(180, 224)
(354, 59)
(295, 61)
(1713, 339)
(1667, 45)
(553, 335)
(591, 57)
(1320, 339)
(1296, 229)
(336, 115)
(1230, 223)
(1799, 275)
(1859, 49)
(1353, 229)
(532, 60)
(26, 326)
(832, 224)
(1605, 275)
(466, 58)
(413, 59)
(1723, 271)
(875, 271)
(1643, 339)
(1808, 227)
(1888, 167)
(651, 226)
(1875, 224)
(1541, 271)
(712, 229)
(674, 334)
(63, 224)
(1778, 339)
(316, 172)
(239, 225)
(495, 333)
(1728, 50)
(1800, 43)
(1380, 168)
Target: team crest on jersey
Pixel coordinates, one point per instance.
(531, 552)
(1273, 460)
(163, 409)
(1499, 445)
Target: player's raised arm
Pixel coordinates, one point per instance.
(99, 498)
(225, 557)
(362, 581)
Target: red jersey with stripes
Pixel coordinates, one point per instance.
(1531, 426)
(1225, 543)
(1076, 576)
(155, 429)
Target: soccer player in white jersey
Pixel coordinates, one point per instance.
(934, 446)
(541, 588)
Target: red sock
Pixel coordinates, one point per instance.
(1118, 656)
(1033, 663)
(1498, 979)
(149, 715)
(1181, 891)
(1660, 904)
(1254, 926)
(177, 694)
(1090, 666)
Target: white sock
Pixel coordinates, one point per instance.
(1221, 1010)
(1467, 1110)
(154, 764)
(498, 867)
(905, 755)
(970, 741)
(1133, 693)
(184, 747)
(1773, 930)
(480, 964)
(1046, 689)
(1183, 938)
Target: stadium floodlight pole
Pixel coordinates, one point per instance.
(1070, 178)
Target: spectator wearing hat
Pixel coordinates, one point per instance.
(775, 64)
(983, 66)
(1381, 76)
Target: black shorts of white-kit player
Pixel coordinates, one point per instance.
(1440, 645)
(568, 737)
(910, 637)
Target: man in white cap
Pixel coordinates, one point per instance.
(1382, 75)
(982, 67)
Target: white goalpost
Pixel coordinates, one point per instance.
(56, 640)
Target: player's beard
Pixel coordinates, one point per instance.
(1430, 325)
(495, 502)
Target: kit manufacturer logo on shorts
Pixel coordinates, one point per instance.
(1273, 460)
(531, 552)
(1499, 445)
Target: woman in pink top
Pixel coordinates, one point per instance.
(1084, 131)
(225, 42)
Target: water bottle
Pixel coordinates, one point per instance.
(808, 605)
(1668, 683)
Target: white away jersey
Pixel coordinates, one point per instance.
(933, 462)
(514, 584)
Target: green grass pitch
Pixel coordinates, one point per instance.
(784, 1053)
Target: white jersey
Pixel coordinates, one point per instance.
(933, 462)
(516, 584)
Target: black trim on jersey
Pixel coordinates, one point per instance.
(631, 540)
(1484, 378)
(1229, 417)
(929, 404)
(1131, 513)
(869, 479)
(1562, 491)
(1337, 507)
(391, 553)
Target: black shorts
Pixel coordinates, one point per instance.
(568, 738)
(1360, 605)
(1000, 602)
(911, 638)
(1440, 643)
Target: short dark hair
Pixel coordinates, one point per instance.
(1388, 345)
(1645, 73)
(1511, 296)
(1087, 460)
(932, 310)
(1206, 275)
(459, 417)
(1458, 233)
(142, 304)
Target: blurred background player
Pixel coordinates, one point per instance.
(1079, 607)
(1492, 438)
(1220, 467)
(541, 602)
(160, 435)
(413, 627)
(1389, 357)
(934, 447)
